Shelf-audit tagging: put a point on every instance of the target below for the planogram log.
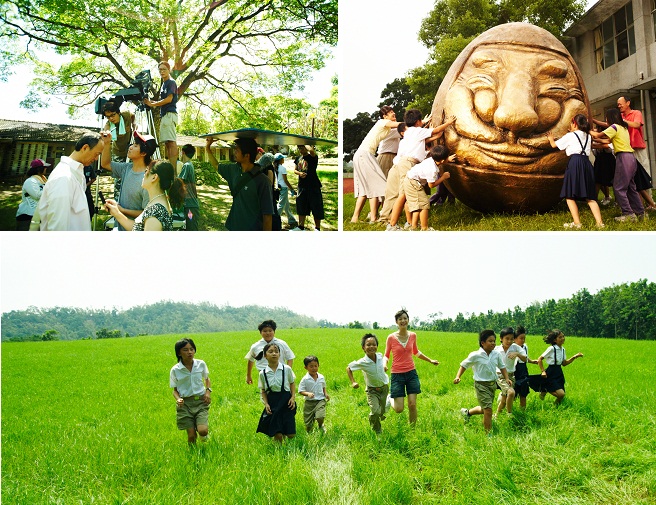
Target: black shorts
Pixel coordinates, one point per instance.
(310, 201)
(405, 382)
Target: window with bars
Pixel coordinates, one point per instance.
(615, 38)
(24, 153)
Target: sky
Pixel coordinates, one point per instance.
(385, 33)
(341, 277)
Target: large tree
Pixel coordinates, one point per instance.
(223, 46)
(452, 24)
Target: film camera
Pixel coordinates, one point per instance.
(136, 93)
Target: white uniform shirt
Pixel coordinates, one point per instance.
(413, 144)
(570, 145)
(32, 191)
(554, 351)
(256, 350)
(510, 363)
(424, 171)
(374, 372)
(189, 383)
(274, 378)
(309, 385)
(63, 204)
(525, 349)
(485, 365)
(281, 180)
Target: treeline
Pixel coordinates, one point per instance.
(159, 318)
(619, 311)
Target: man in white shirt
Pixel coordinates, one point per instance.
(63, 204)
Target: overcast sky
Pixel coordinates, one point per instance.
(379, 38)
(340, 277)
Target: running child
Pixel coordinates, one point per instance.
(313, 388)
(552, 379)
(485, 362)
(190, 381)
(375, 378)
(521, 370)
(255, 355)
(510, 352)
(402, 344)
(579, 182)
(277, 389)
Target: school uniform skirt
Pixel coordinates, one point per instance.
(604, 168)
(554, 380)
(642, 179)
(282, 418)
(579, 182)
(521, 380)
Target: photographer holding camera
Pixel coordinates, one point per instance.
(169, 115)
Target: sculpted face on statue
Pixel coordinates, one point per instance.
(509, 88)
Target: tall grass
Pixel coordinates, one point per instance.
(94, 422)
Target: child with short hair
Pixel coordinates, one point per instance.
(313, 388)
(412, 150)
(255, 355)
(191, 385)
(510, 352)
(402, 345)
(277, 389)
(485, 362)
(376, 380)
(415, 189)
(552, 380)
(521, 370)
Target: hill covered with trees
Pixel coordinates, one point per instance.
(159, 318)
(619, 311)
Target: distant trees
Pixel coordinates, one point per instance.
(48, 335)
(623, 311)
(159, 318)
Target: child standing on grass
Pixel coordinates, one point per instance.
(375, 378)
(579, 182)
(277, 388)
(403, 345)
(521, 370)
(416, 189)
(255, 355)
(313, 388)
(552, 380)
(190, 381)
(510, 352)
(485, 362)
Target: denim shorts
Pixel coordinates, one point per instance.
(407, 382)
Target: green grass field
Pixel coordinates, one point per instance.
(94, 422)
(215, 201)
(459, 217)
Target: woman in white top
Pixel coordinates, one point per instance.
(368, 178)
(31, 193)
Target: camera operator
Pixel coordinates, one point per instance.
(169, 115)
(120, 125)
(133, 197)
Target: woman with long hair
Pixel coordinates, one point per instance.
(165, 191)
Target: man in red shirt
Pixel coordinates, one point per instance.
(634, 119)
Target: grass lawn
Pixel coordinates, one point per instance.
(93, 421)
(460, 217)
(215, 201)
